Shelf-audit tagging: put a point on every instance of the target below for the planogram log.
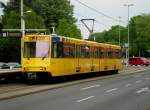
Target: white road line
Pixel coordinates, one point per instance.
(139, 81)
(147, 78)
(136, 76)
(111, 90)
(85, 88)
(85, 99)
(142, 90)
(127, 85)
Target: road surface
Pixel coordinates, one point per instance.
(120, 93)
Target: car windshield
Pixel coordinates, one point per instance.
(36, 49)
(12, 64)
(1, 64)
(144, 59)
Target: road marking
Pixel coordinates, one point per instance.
(85, 88)
(136, 76)
(85, 99)
(111, 90)
(147, 78)
(127, 85)
(146, 89)
(139, 81)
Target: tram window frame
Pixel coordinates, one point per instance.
(95, 52)
(87, 53)
(82, 51)
(91, 52)
(77, 52)
(104, 53)
(99, 53)
(117, 53)
(109, 53)
(57, 50)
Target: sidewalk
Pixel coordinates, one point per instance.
(134, 69)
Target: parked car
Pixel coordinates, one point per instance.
(13, 65)
(139, 61)
(4, 65)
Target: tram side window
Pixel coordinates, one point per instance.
(57, 50)
(99, 53)
(103, 53)
(91, 52)
(69, 50)
(117, 54)
(96, 52)
(60, 50)
(85, 52)
(110, 54)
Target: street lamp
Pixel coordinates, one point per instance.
(23, 19)
(128, 55)
(119, 28)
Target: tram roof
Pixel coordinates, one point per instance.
(81, 41)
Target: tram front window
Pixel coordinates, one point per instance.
(36, 49)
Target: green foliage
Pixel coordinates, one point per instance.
(33, 21)
(10, 50)
(111, 36)
(52, 10)
(69, 30)
(45, 13)
(11, 20)
(139, 35)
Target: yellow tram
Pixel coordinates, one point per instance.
(53, 55)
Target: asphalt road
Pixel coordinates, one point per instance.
(120, 93)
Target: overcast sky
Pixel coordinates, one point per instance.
(4, 1)
(113, 8)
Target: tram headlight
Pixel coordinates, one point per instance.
(26, 68)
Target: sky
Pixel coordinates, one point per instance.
(4, 1)
(112, 8)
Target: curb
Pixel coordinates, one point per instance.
(29, 91)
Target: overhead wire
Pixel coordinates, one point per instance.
(97, 11)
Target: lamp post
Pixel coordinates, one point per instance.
(128, 55)
(119, 29)
(23, 18)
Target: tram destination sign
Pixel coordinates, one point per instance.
(37, 38)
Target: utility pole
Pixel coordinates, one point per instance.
(119, 29)
(22, 20)
(128, 5)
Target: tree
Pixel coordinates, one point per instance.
(112, 35)
(45, 13)
(11, 18)
(69, 30)
(140, 34)
(53, 10)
